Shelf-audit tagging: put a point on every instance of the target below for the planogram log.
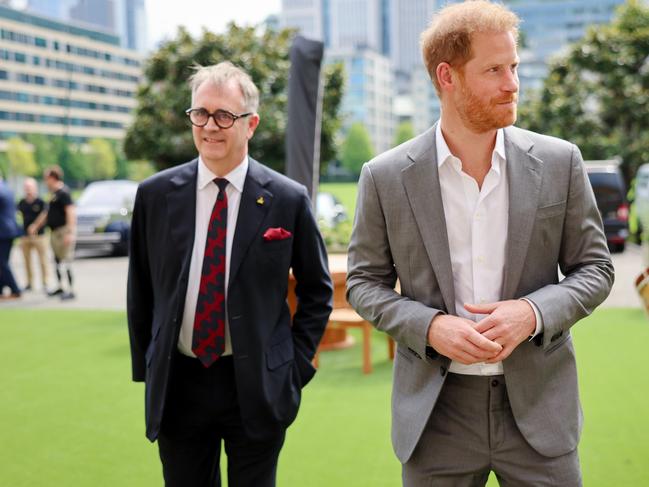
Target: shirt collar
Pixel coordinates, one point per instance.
(444, 153)
(236, 177)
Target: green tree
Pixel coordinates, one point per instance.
(597, 94)
(405, 132)
(357, 148)
(161, 132)
(44, 150)
(139, 170)
(21, 157)
(100, 159)
(71, 160)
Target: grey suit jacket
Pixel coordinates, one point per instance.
(400, 233)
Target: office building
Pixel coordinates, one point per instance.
(124, 18)
(61, 79)
(368, 93)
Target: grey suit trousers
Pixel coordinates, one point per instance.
(471, 432)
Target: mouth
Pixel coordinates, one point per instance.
(211, 140)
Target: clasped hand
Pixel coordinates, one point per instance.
(489, 340)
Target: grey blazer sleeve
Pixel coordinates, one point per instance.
(584, 260)
(371, 275)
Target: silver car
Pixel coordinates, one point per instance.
(104, 212)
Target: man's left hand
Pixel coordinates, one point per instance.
(508, 323)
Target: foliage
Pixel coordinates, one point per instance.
(100, 159)
(44, 152)
(139, 170)
(357, 148)
(405, 132)
(333, 93)
(21, 158)
(597, 94)
(161, 131)
(337, 238)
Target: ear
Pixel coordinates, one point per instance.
(253, 122)
(444, 73)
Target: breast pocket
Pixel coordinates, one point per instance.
(551, 210)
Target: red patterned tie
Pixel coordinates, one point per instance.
(208, 339)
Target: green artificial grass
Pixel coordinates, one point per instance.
(69, 415)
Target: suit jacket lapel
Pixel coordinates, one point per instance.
(256, 200)
(524, 174)
(181, 211)
(421, 182)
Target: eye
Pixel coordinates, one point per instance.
(223, 116)
(200, 112)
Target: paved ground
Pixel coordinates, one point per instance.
(101, 282)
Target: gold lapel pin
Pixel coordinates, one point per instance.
(260, 200)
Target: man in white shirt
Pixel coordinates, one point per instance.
(474, 217)
(211, 333)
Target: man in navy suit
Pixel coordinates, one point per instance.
(210, 329)
(8, 231)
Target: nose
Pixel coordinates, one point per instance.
(211, 124)
(511, 83)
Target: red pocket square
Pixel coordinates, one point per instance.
(276, 234)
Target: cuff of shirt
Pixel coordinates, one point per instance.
(539, 320)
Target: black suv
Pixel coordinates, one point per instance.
(610, 193)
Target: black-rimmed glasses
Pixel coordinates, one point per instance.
(222, 118)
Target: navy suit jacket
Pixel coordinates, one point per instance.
(272, 353)
(8, 226)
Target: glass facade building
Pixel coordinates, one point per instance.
(61, 79)
(124, 18)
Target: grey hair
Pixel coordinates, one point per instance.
(219, 74)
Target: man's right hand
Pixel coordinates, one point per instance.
(32, 230)
(456, 338)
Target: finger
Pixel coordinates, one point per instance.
(481, 309)
(483, 343)
(493, 333)
(485, 324)
(465, 358)
(507, 350)
(479, 353)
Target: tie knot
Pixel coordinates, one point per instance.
(221, 183)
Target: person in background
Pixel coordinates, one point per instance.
(61, 218)
(8, 232)
(30, 207)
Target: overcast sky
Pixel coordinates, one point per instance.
(164, 16)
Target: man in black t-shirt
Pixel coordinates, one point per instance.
(62, 220)
(30, 207)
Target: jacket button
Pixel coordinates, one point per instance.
(442, 370)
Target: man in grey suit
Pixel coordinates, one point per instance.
(474, 218)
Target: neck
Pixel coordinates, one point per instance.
(222, 168)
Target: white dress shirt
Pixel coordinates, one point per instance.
(206, 193)
(476, 223)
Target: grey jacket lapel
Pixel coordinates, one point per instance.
(524, 173)
(421, 183)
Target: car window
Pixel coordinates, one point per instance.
(113, 195)
(608, 188)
